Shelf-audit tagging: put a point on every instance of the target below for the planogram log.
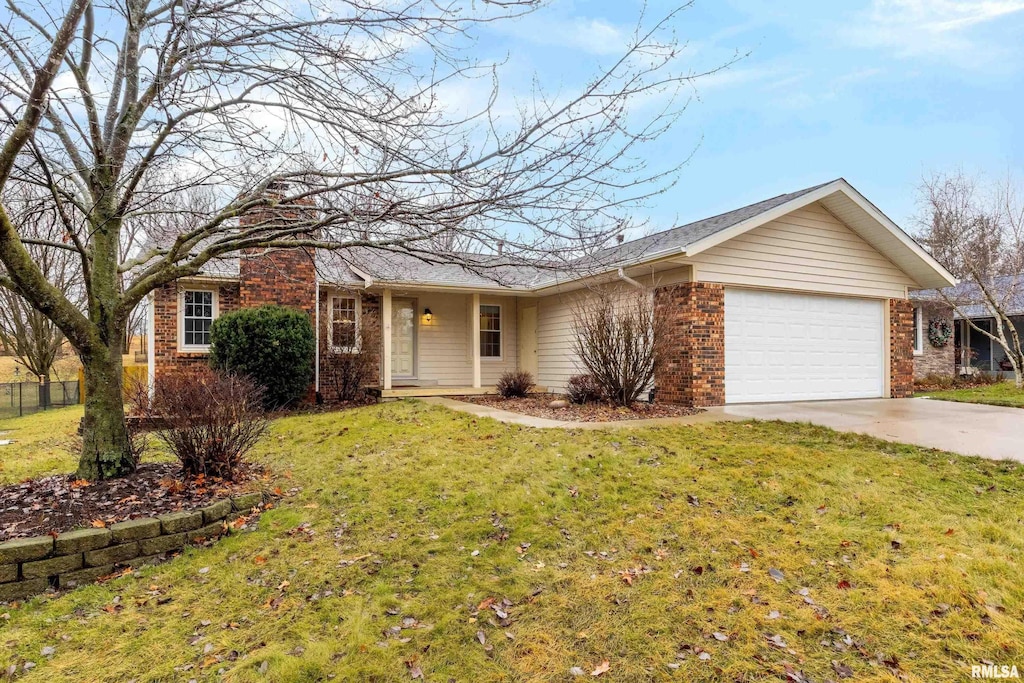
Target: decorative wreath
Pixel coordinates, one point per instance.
(939, 332)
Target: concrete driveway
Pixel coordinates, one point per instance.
(965, 428)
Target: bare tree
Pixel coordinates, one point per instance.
(275, 109)
(616, 336)
(31, 337)
(977, 232)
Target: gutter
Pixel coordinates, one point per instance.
(626, 278)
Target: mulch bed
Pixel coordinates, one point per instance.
(537, 406)
(60, 502)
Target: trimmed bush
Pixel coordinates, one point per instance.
(582, 389)
(271, 345)
(514, 384)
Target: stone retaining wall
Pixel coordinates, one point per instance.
(32, 565)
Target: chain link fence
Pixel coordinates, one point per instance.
(25, 398)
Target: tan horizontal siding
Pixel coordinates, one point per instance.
(443, 345)
(556, 359)
(809, 250)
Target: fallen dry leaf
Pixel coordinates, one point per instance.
(601, 669)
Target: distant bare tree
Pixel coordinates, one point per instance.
(29, 335)
(616, 336)
(977, 232)
(324, 119)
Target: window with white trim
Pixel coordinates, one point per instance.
(918, 330)
(198, 310)
(490, 331)
(345, 324)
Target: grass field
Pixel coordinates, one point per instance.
(1001, 394)
(65, 369)
(419, 541)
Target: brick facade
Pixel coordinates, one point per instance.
(286, 277)
(935, 360)
(332, 360)
(901, 348)
(692, 370)
(166, 355)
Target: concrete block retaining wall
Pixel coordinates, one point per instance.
(32, 565)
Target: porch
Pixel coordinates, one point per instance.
(431, 341)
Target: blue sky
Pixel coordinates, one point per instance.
(880, 92)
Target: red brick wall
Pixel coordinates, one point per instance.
(166, 355)
(901, 348)
(329, 359)
(286, 277)
(692, 371)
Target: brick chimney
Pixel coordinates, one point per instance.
(286, 277)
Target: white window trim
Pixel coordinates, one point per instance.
(194, 348)
(330, 323)
(501, 334)
(919, 337)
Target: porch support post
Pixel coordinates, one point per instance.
(385, 343)
(474, 320)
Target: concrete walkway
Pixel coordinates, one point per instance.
(966, 428)
(509, 417)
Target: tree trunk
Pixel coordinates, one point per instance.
(105, 448)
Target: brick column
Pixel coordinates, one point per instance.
(901, 348)
(692, 371)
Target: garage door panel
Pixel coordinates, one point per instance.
(788, 347)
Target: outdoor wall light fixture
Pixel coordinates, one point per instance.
(427, 315)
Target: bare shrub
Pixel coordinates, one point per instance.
(348, 371)
(136, 398)
(209, 420)
(582, 389)
(616, 337)
(515, 384)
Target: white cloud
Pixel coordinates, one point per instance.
(942, 29)
(589, 35)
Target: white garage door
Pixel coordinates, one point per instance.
(800, 347)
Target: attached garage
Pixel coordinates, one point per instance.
(783, 346)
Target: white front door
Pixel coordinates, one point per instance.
(781, 346)
(528, 339)
(403, 338)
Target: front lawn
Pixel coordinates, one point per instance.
(423, 542)
(1001, 394)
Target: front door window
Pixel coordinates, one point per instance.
(403, 338)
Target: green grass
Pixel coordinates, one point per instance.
(44, 443)
(1001, 394)
(392, 502)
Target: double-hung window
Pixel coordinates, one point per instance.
(345, 324)
(198, 312)
(490, 331)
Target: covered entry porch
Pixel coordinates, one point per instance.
(447, 343)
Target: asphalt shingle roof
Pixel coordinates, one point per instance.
(1007, 289)
(345, 266)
